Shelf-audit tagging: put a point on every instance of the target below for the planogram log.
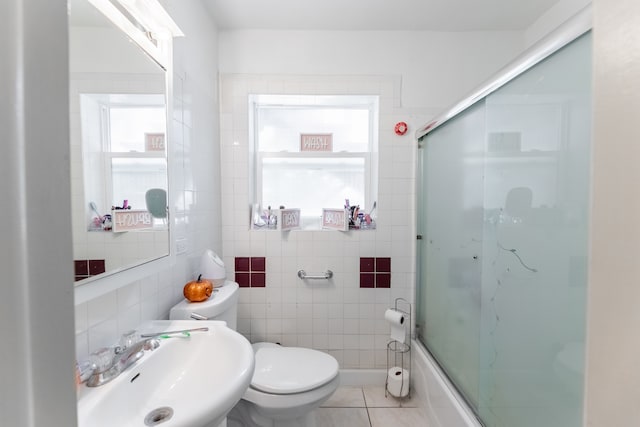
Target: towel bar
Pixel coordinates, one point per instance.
(304, 275)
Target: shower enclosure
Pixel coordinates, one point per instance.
(502, 253)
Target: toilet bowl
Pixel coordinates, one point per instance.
(287, 384)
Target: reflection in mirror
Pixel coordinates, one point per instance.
(118, 145)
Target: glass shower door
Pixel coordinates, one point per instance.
(451, 224)
(536, 204)
(502, 268)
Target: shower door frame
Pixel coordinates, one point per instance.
(580, 24)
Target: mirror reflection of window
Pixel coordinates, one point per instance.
(132, 177)
(138, 131)
(129, 125)
(130, 147)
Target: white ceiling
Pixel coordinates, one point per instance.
(437, 15)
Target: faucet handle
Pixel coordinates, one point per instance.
(151, 344)
(127, 340)
(102, 359)
(86, 368)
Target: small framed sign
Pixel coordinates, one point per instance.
(289, 219)
(128, 220)
(316, 142)
(335, 219)
(154, 141)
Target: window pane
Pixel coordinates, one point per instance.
(280, 120)
(133, 177)
(280, 127)
(312, 183)
(128, 126)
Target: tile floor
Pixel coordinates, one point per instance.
(368, 407)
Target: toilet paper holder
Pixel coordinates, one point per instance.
(398, 379)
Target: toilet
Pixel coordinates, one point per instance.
(288, 382)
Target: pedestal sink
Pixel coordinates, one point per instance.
(187, 381)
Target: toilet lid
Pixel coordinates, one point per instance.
(286, 370)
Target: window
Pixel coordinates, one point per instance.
(322, 176)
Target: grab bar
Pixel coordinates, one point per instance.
(326, 275)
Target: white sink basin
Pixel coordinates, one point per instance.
(199, 379)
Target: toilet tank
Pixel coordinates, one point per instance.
(221, 305)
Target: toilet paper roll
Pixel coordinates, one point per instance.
(396, 320)
(398, 381)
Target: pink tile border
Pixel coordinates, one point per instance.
(367, 280)
(258, 264)
(242, 263)
(250, 272)
(258, 280)
(383, 265)
(367, 265)
(243, 279)
(375, 272)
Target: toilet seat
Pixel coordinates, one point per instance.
(289, 370)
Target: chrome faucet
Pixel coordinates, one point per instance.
(107, 363)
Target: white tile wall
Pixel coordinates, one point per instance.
(334, 316)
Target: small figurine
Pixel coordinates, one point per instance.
(107, 224)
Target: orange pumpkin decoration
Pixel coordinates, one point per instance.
(198, 290)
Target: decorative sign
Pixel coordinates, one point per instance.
(154, 141)
(318, 142)
(289, 219)
(128, 220)
(335, 219)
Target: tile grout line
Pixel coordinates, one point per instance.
(364, 398)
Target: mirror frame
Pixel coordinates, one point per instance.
(161, 24)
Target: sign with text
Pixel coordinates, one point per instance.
(289, 219)
(154, 141)
(128, 220)
(319, 142)
(335, 219)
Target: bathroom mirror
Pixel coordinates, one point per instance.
(118, 127)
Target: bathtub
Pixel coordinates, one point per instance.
(442, 402)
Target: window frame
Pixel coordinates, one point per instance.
(257, 157)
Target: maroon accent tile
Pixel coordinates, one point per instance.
(96, 266)
(242, 263)
(367, 265)
(80, 278)
(81, 267)
(258, 264)
(383, 265)
(243, 279)
(383, 280)
(258, 280)
(367, 280)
